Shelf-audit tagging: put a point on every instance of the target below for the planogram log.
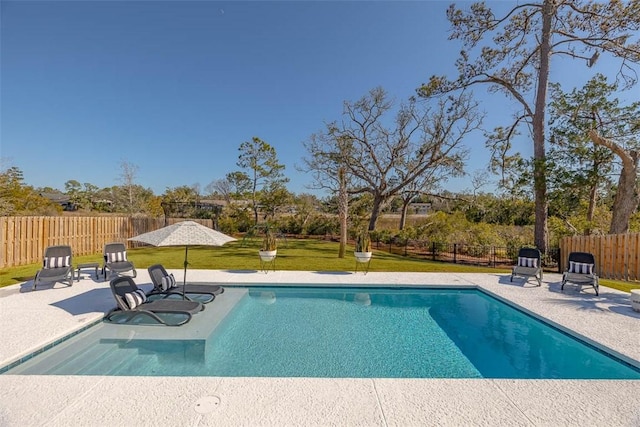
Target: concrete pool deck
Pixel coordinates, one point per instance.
(30, 320)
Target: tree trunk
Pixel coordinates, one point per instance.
(130, 188)
(627, 198)
(593, 198)
(593, 194)
(375, 211)
(539, 156)
(403, 215)
(255, 213)
(343, 212)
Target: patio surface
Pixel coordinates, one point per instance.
(31, 320)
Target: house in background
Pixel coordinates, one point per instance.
(420, 208)
(62, 200)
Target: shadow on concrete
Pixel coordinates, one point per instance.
(95, 300)
(584, 298)
(625, 310)
(28, 285)
(518, 281)
(42, 286)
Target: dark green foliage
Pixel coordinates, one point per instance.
(18, 198)
(266, 176)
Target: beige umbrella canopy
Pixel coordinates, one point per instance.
(186, 233)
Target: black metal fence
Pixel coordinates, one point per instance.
(458, 253)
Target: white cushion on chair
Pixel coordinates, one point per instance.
(580, 267)
(527, 262)
(168, 282)
(135, 298)
(57, 261)
(117, 256)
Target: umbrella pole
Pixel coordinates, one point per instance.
(184, 277)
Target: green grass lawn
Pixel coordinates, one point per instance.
(293, 254)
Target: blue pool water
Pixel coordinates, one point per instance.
(354, 333)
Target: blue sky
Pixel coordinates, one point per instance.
(175, 87)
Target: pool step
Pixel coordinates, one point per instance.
(116, 362)
(59, 362)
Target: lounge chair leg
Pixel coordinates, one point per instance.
(35, 281)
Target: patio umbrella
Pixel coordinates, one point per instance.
(184, 233)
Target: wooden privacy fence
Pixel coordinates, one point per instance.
(617, 255)
(24, 239)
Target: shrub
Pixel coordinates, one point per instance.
(323, 225)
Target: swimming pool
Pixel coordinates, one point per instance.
(337, 332)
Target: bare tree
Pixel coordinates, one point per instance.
(326, 163)
(306, 206)
(382, 161)
(221, 187)
(516, 60)
(479, 179)
(426, 185)
(128, 174)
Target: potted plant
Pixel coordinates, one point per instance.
(269, 248)
(363, 246)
